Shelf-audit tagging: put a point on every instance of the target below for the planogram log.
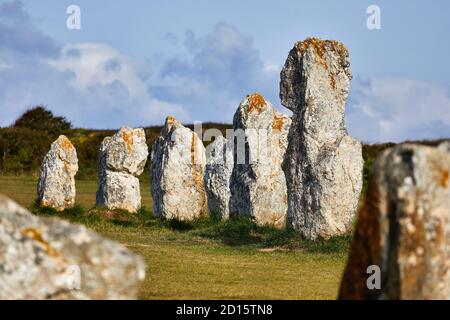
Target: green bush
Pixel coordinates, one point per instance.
(22, 149)
(41, 119)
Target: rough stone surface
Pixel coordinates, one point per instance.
(56, 186)
(43, 258)
(323, 164)
(122, 160)
(219, 167)
(404, 227)
(258, 185)
(177, 173)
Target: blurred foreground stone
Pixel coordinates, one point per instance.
(48, 258)
(403, 227)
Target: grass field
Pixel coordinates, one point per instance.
(207, 259)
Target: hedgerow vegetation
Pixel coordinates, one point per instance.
(24, 144)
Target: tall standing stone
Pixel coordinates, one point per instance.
(219, 167)
(56, 186)
(403, 228)
(122, 160)
(177, 173)
(323, 164)
(48, 258)
(258, 185)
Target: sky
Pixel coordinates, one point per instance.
(135, 62)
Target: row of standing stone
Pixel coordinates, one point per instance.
(311, 177)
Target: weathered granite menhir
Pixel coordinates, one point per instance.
(122, 160)
(403, 228)
(258, 186)
(177, 173)
(48, 258)
(219, 167)
(323, 164)
(56, 186)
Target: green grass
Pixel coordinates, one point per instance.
(205, 259)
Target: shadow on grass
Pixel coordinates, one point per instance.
(235, 232)
(38, 209)
(244, 232)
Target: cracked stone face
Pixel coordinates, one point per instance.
(122, 160)
(404, 227)
(48, 258)
(258, 184)
(56, 186)
(323, 164)
(177, 173)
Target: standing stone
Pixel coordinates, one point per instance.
(56, 186)
(177, 169)
(122, 160)
(48, 258)
(323, 164)
(219, 167)
(258, 185)
(404, 228)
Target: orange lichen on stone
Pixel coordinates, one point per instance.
(34, 234)
(170, 120)
(66, 145)
(320, 47)
(256, 102)
(444, 179)
(332, 81)
(278, 122)
(128, 138)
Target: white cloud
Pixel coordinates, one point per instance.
(92, 84)
(214, 73)
(107, 76)
(398, 109)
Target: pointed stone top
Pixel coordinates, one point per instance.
(253, 112)
(64, 148)
(255, 102)
(169, 123)
(64, 142)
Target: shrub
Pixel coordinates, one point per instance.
(41, 119)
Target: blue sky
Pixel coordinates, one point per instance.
(134, 62)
